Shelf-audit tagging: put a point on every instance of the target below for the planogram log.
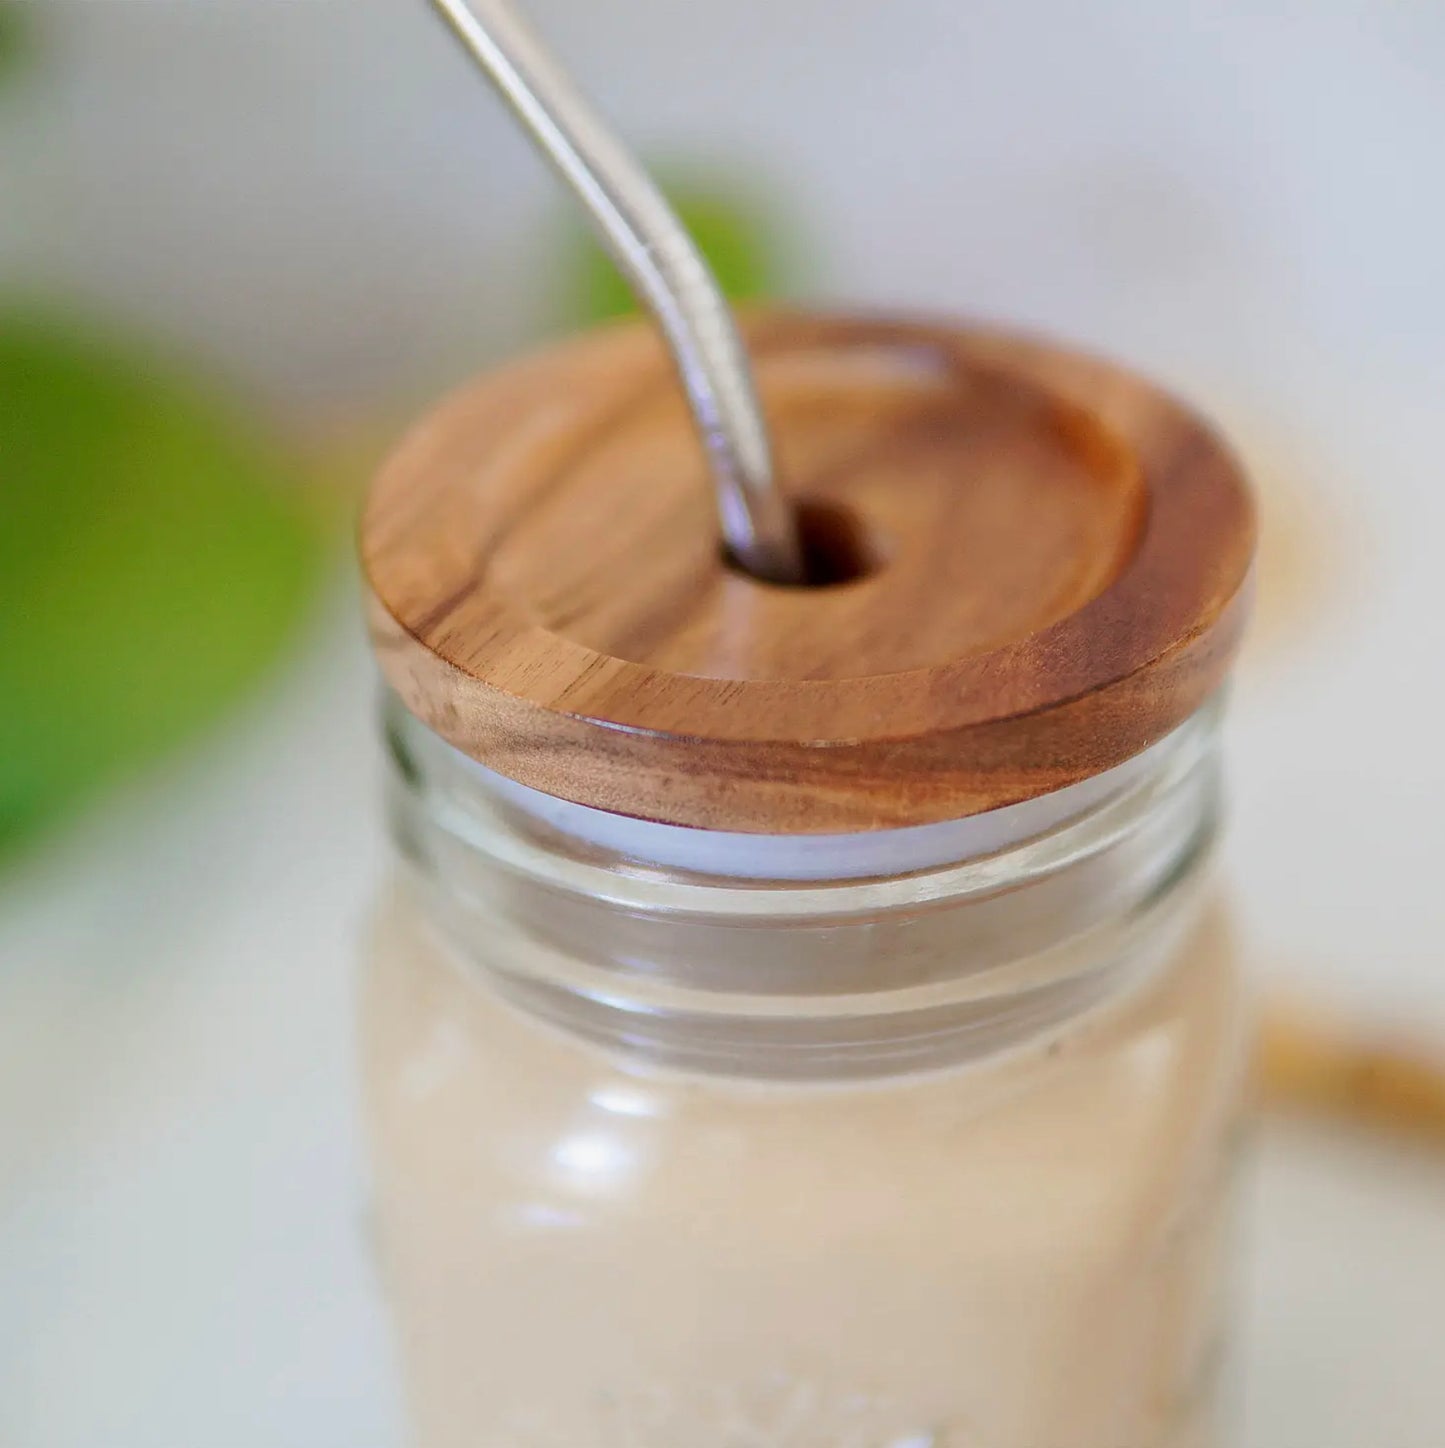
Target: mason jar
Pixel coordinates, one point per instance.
(895, 1118)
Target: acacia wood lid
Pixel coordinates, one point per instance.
(1040, 567)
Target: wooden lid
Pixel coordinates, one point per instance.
(1041, 564)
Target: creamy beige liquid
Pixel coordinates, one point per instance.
(1019, 1252)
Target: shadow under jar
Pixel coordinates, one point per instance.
(801, 1017)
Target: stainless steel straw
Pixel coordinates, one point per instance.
(665, 269)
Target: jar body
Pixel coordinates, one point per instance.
(1013, 1240)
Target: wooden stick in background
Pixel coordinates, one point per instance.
(1340, 1068)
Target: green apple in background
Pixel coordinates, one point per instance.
(155, 554)
(734, 224)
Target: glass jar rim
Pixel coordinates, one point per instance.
(464, 801)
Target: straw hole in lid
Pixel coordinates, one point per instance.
(838, 546)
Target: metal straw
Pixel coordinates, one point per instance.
(665, 269)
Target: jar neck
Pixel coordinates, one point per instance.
(807, 978)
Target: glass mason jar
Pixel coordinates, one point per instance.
(800, 1020)
(678, 1147)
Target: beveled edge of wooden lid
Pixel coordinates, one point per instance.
(510, 677)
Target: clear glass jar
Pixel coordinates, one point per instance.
(924, 1160)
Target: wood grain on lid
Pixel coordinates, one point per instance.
(1046, 566)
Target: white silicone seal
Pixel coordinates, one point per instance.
(819, 857)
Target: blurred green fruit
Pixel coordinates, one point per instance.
(155, 553)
